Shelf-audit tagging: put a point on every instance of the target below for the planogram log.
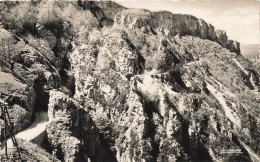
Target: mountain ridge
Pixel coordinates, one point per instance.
(127, 84)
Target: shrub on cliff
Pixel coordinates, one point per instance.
(78, 18)
(120, 87)
(6, 48)
(105, 62)
(58, 16)
(50, 16)
(21, 18)
(160, 60)
(169, 150)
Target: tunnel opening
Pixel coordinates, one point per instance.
(42, 96)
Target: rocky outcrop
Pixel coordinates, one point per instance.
(29, 152)
(172, 24)
(62, 113)
(20, 98)
(72, 132)
(83, 60)
(135, 133)
(127, 61)
(221, 38)
(183, 24)
(133, 18)
(233, 46)
(59, 104)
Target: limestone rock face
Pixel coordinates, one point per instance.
(72, 132)
(173, 24)
(233, 46)
(30, 151)
(59, 104)
(127, 61)
(60, 136)
(133, 18)
(62, 114)
(20, 99)
(183, 24)
(221, 38)
(203, 29)
(21, 118)
(83, 60)
(211, 32)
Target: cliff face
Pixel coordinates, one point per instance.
(62, 113)
(20, 98)
(173, 24)
(24, 89)
(132, 85)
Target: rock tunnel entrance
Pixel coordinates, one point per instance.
(40, 111)
(42, 96)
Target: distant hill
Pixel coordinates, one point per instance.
(249, 50)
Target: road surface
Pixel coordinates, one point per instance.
(35, 129)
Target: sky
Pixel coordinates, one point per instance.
(239, 18)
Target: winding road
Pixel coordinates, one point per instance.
(34, 130)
